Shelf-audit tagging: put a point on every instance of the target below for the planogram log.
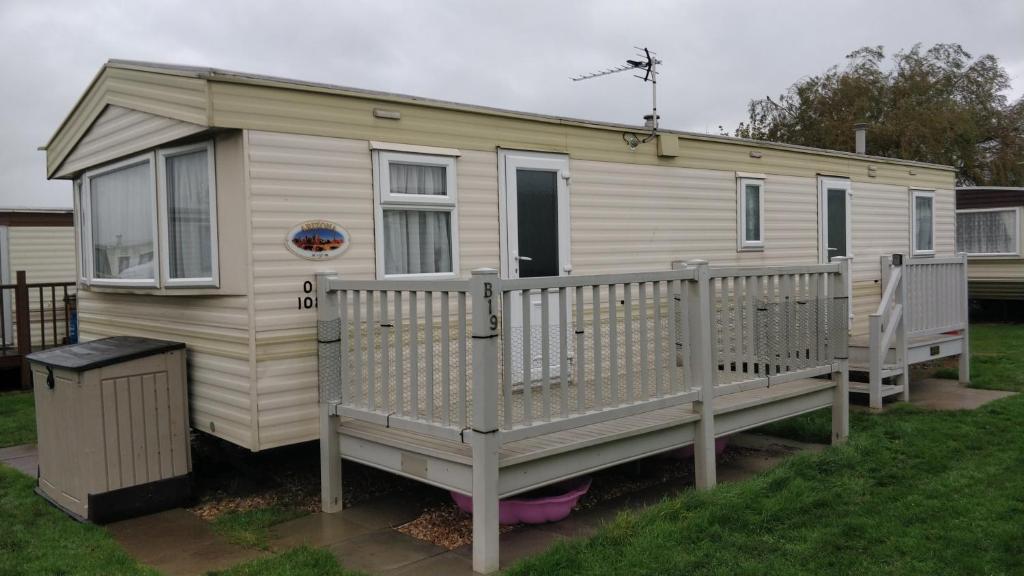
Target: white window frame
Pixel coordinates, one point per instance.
(1016, 210)
(914, 195)
(165, 247)
(81, 254)
(742, 244)
(150, 159)
(384, 199)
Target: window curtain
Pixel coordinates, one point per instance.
(986, 232)
(923, 214)
(753, 213)
(417, 179)
(121, 206)
(188, 216)
(417, 242)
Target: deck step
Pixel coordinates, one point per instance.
(865, 388)
(888, 370)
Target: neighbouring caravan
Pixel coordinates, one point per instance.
(988, 220)
(206, 200)
(40, 242)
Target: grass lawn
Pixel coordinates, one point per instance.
(17, 419)
(913, 492)
(252, 527)
(38, 539)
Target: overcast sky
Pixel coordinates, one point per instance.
(717, 54)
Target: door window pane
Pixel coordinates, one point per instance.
(923, 217)
(121, 207)
(537, 212)
(836, 198)
(417, 242)
(189, 216)
(752, 215)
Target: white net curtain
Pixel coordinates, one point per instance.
(417, 241)
(990, 232)
(188, 216)
(122, 223)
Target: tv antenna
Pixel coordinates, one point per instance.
(649, 66)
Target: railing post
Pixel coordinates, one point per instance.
(964, 362)
(24, 328)
(698, 316)
(485, 291)
(328, 335)
(840, 360)
(901, 333)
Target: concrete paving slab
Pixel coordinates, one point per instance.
(939, 394)
(385, 512)
(446, 564)
(178, 543)
(382, 551)
(23, 458)
(319, 530)
(517, 544)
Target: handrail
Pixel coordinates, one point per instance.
(890, 292)
(38, 285)
(730, 271)
(890, 326)
(541, 282)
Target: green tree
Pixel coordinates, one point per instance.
(937, 105)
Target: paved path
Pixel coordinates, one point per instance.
(178, 543)
(939, 394)
(24, 458)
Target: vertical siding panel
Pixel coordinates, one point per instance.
(152, 427)
(163, 420)
(124, 427)
(138, 424)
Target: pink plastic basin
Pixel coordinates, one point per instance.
(526, 510)
(687, 451)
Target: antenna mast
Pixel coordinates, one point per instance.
(649, 65)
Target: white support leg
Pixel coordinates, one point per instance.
(485, 502)
(841, 403)
(705, 468)
(701, 369)
(964, 362)
(330, 462)
(485, 289)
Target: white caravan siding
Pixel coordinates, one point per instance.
(118, 132)
(295, 178)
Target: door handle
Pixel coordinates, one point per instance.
(524, 258)
(833, 249)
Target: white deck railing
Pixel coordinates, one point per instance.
(920, 297)
(570, 351)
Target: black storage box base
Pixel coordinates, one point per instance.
(134, 501)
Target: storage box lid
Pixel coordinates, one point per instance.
(103, 352)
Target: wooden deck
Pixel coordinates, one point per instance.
(533, 462)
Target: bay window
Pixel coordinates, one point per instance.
(150, 220)
(988, 232)
(922, 205)
(416, 226)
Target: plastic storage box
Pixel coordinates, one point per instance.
(112, 425)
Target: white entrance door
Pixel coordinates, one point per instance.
(536, 233)
(835, 206)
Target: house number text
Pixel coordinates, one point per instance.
(306, 302)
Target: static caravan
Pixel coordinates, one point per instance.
(206, 202)
(988, 229)
(40, 243)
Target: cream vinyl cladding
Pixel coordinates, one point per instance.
(625, 217)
